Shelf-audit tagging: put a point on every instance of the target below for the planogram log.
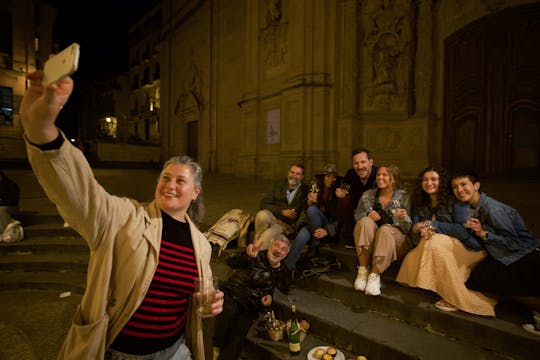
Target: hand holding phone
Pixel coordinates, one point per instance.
(62, 64)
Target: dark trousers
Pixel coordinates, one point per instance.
(517, 279)
(231, 328)
(346, 213)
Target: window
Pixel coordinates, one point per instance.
(6, 106)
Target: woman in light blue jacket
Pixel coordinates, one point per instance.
(513, 264)
(382, 220)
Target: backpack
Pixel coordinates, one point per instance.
(233, 225)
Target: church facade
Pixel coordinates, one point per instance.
(251, 86)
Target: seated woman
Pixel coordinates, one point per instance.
(513, 264)
(440, 262)
(322, 215)
(382, 221)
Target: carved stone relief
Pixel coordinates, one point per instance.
(273, 35)
(191, 97)
(387, 45)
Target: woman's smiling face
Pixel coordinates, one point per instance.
(384, 178)
(430, 182)
(465, 191)
(176, 190)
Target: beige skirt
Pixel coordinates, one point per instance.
(443, 264)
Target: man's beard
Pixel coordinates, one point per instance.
(293, 182)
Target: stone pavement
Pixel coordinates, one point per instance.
(34, 318)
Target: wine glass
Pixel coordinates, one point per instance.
(396, 206)
(344, 186)
(470, 214)
(314, 189)
(428, 229)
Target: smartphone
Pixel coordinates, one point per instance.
(62, 64)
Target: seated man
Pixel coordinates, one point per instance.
(322, 216)
(282, 207)
(248, 291)
(359, 178)
(10, 229)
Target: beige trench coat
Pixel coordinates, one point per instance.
(124, 240)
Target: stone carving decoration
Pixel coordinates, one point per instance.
(387, 51)
(191, 95)
(273, 35)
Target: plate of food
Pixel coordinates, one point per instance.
(325, 353)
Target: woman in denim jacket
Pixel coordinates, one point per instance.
(441, 262)
(513, 264)
(382, 220)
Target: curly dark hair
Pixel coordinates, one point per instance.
(419, 196)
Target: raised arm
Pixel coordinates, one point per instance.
(40, 108)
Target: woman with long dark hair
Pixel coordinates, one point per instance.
(440, 262)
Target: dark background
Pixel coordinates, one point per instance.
(102, 30)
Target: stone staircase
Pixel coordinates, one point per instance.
(400, 324)
(42, 279)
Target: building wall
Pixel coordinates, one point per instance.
(26, 24)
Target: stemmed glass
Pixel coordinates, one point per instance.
(470, 214)
(396, 206)
(344, 186)
(428, 229)
(314, 188)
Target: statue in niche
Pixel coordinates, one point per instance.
(191, 89)
(273, 12)
(274, 35)
(387, 41)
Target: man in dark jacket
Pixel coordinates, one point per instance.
(359, 179)
(248, 291)
(283, 208)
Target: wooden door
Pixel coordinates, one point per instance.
(492, 93)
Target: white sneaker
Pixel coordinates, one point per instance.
(373, 286)
(361, 278)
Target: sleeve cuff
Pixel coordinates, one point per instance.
(53, 145)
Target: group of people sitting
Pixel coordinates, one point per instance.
(452, 238)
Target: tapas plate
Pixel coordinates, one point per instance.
(339, 354)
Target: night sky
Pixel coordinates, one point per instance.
(101, 29)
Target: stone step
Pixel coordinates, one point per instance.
(62, 281)
(259, 346)
(501, 336)
(48, 230)
(46, 244)
(362, 332)
(27, 261)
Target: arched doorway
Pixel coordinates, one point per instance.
(492, 94)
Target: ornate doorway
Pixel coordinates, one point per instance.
(492, 94)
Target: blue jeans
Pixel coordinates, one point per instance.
(315, 219)
(177, 351)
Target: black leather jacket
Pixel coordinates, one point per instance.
(254, 278)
